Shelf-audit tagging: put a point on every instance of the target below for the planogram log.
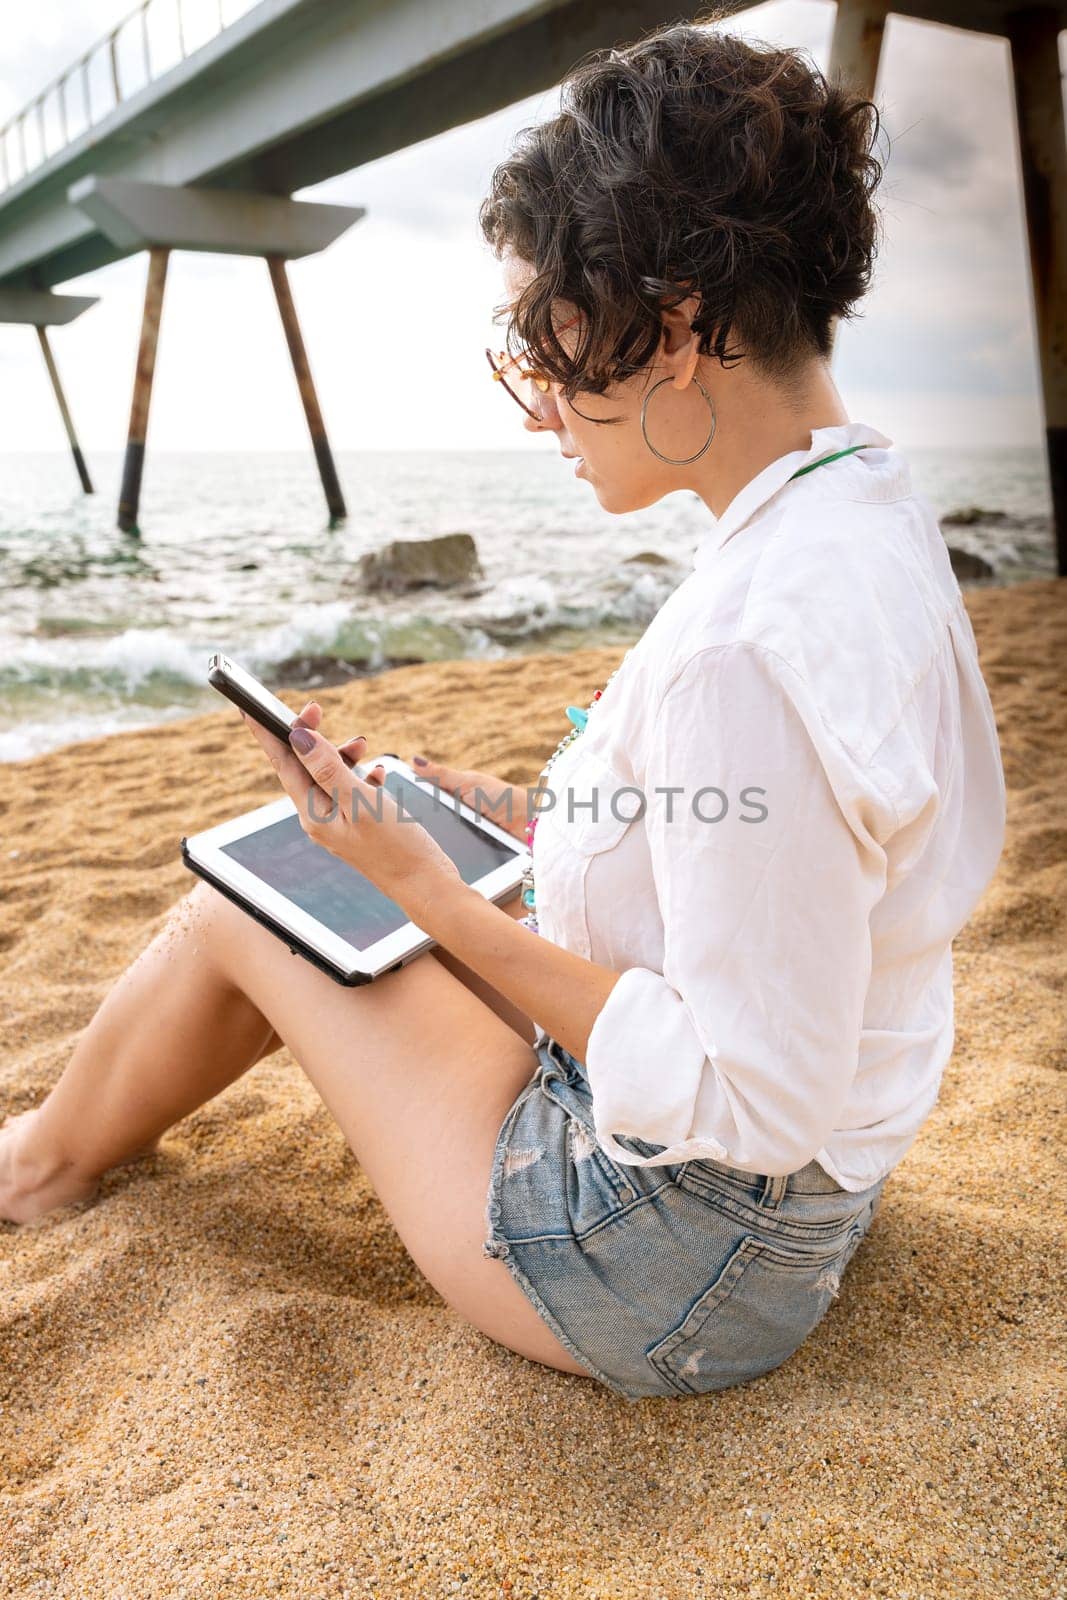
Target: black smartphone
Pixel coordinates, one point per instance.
(250, 695)
(238, 685)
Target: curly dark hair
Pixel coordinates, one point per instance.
(689, 162)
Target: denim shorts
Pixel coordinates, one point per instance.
(670, 1280)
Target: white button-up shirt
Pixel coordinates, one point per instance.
(781, 812)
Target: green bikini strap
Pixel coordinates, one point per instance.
(835, 457)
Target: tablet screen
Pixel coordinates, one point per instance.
(336, 894)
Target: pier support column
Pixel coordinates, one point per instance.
(162, 217)
(43, 310)
(855, 55)
(305, 383)
(856, 47)
(64, 411)
(133, 466)
(1035, 62)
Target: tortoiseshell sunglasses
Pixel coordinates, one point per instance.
(523, 383)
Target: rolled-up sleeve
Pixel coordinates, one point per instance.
(744, 1047)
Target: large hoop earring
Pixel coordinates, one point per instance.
(677, 461)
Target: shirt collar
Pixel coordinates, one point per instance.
(759, 490)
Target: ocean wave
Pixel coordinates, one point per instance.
(142, 662)
(127, 663)
(33, 737)
(67, 683)
(519, 611)
(155, 664)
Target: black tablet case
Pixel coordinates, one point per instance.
(297, 945)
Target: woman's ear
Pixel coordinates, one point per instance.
(681, 345)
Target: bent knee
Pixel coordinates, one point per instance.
(213, 921)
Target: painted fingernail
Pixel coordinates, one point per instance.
(302, 740)
(419, 761)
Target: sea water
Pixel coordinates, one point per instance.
(101, 631)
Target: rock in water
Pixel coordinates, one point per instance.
(969, 515)
(648, 558)
(965, 565)
(440, 563)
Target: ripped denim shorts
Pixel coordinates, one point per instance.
(670, 1280)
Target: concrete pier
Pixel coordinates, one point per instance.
(161, 218)
(855, 56)
(42, 310)
(64, 411)
(283, 294)
(856, 46)
(133, 466)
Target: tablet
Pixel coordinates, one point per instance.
(324, 909)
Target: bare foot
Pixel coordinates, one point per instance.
(28, 1189)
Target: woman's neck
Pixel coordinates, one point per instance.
(756, 422)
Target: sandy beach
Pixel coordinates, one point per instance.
(226, 1377)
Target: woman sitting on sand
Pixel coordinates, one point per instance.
(640, 1137)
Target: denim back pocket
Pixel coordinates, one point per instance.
(760, 1307)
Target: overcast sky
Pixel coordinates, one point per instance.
(397, 313)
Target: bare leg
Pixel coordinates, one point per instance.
(202, 1035)
(418, 1071)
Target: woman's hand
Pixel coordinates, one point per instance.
(356, 819)
(506, 804)
(564, 991)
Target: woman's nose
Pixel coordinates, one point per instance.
(550, 418)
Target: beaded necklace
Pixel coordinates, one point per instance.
(579, 718)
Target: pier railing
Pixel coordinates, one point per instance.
(152, 39)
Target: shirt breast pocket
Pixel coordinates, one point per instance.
(594, 807)
(590, 815)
